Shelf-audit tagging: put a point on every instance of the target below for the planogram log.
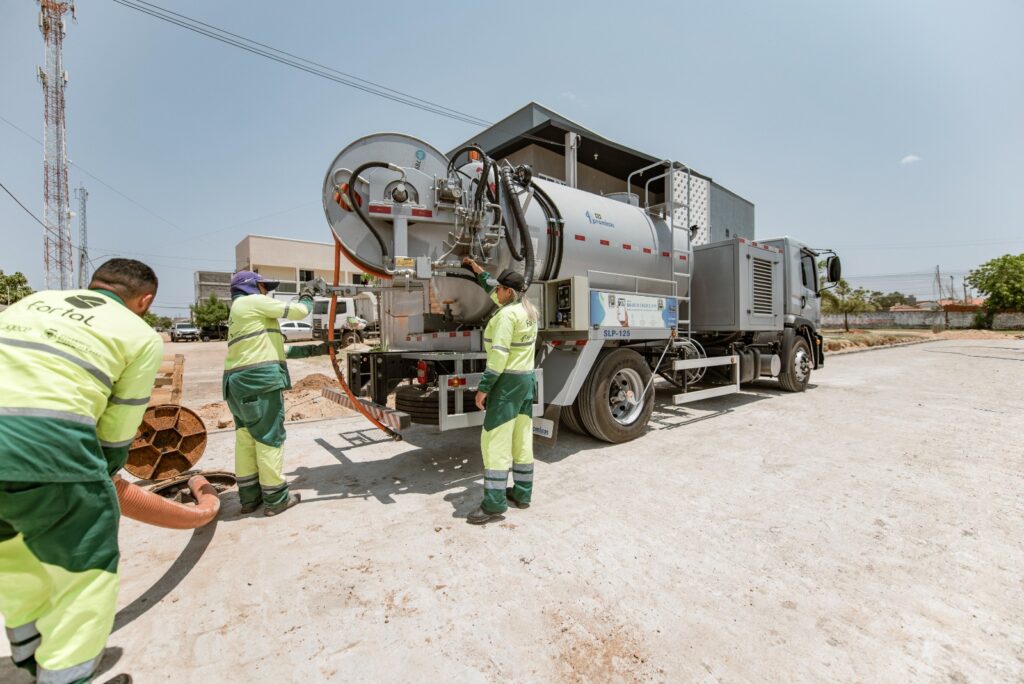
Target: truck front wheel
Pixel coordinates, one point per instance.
(613, 406)
(796, 369)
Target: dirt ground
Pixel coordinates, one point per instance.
(204, 366)
(839, 341)
(869, 529)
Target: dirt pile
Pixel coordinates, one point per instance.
(303, 402)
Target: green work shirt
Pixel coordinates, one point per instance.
(510, 339)
(76, 372)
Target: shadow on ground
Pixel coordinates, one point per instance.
(178, 570)
(449, 462)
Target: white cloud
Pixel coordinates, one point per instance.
(910, 159)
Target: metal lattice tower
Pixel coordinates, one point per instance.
(83, 239)
(57, 255)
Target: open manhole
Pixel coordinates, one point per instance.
(170, 441)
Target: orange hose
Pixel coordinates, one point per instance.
(153, 509)
(338, 247)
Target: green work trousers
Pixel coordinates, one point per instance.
(507, 441)
(58, 575)
(259, 447)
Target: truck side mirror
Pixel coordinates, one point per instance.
(834, 269)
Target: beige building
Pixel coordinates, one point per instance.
(290, 261)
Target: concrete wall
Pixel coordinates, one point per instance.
(901, 319)
(1009, 321)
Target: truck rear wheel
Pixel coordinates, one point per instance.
(610, 405)
(422, 403)
(571, 418)
(796, 369)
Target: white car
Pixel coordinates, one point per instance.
(296, 330)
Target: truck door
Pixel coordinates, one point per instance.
(810, 304)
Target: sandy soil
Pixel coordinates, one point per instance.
(839, 341)
(867, 530)
(204, 366)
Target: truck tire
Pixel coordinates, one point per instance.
(571, 418)
(423, 403)
(349, 338)
(796, 368)
(605, 408)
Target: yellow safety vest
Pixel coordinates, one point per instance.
(510, 339)
(76, 372)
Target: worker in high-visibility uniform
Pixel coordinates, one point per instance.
(255, 377)
(76, 371)
(507, 390)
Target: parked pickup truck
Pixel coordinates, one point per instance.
(184, 332)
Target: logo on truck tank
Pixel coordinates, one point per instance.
(595, 219)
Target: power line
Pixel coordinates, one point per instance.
(308, 66)
(34, 217)
(95, 177)
(478, 120)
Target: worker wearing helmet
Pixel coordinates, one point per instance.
(255, 377)
(77, 370)
(507, 390)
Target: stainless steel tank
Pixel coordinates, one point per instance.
(599, 236)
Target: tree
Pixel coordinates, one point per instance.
(843, 299)
(209, 314)
(13, 287)
(1001, 280)
(155, 321)
(883, 302)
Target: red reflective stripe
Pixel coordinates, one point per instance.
(665, 254)
(625, 246)
(580, 343)
(422, 212)
(380, 209)
(682, 257)
(605, 242)
(581, 238)
(647, 250)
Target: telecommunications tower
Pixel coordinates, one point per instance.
(58, 262)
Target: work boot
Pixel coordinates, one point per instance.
(512, 500)
(480, 516)
(120, 679)
(292, 500)
(250, 507)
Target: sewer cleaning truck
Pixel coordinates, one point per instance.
(624, 297)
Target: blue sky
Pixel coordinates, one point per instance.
(888, 130)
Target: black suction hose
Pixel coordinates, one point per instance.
(524, 229)
(358, 207)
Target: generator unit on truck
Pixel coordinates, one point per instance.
(622, 295)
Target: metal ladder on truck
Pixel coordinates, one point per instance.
(680, 235)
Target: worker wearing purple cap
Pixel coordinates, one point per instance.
(255, 377)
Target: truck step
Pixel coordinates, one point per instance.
(396, 420)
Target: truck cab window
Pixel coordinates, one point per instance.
(808, 273)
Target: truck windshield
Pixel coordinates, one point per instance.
(321, 307)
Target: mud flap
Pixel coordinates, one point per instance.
(545, 428)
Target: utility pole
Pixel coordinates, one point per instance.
(952, 292)
(58, 262)
(83, 239)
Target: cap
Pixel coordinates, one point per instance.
(512, 279)
(245, 281)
